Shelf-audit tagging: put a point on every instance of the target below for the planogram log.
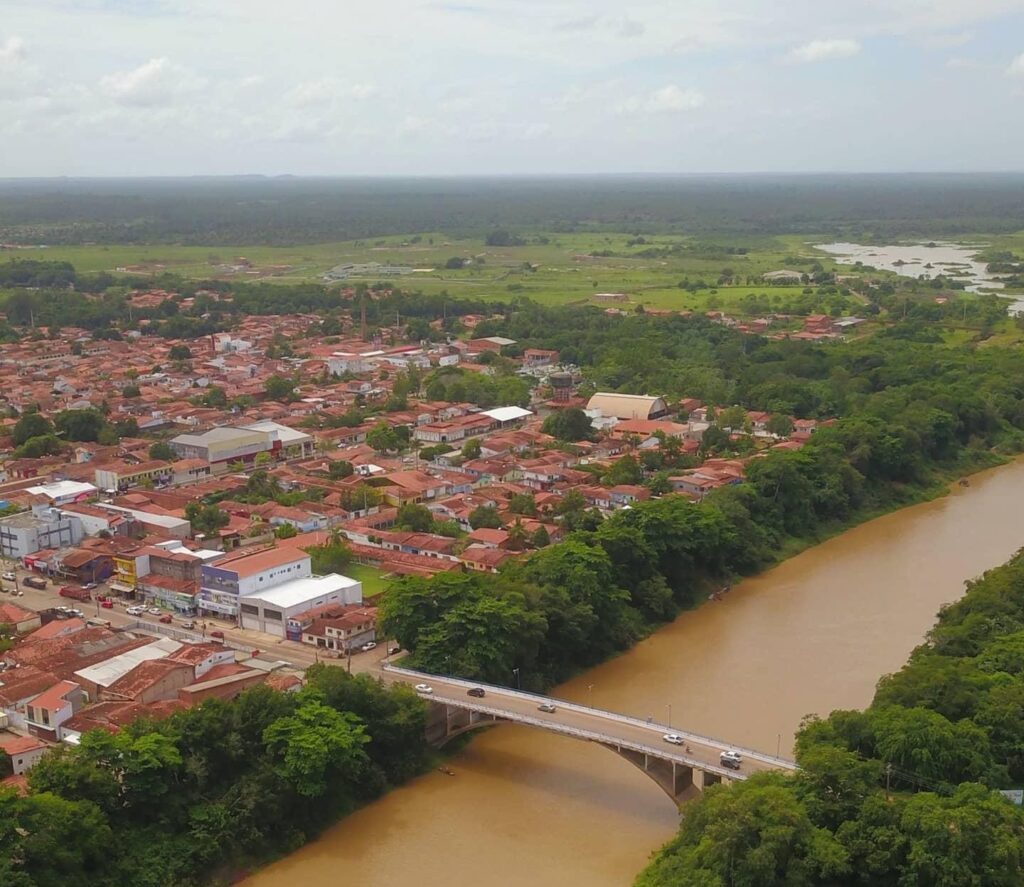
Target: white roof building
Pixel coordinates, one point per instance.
(61, 492)
(268, 610)
(110, 670)
(504, 415)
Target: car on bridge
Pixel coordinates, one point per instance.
(731, 759)
(423, 688)
(547, 707)
(477, 691)
(674, 738)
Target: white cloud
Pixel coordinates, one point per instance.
(944, 41)
(821, 50)
(327, 91)
(667, 99)
(12, 52)
(152, 84)
(1016, 68)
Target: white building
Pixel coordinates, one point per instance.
(63, 492)
(44, 527)
(269, 610)
(223, 584)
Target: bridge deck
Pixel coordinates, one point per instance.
(583, 722)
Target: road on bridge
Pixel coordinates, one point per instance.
(701, 751)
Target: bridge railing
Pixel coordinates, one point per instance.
(655, 751)
(784, 763)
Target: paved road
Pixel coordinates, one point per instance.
(700, 750)
(297, 654)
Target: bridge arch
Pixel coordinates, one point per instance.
(675, 779)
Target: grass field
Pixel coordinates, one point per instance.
(551, 268)
(373, 579)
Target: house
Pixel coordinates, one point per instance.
(489, 538)
(150, 681)
(20, 619)
(483, 558)
(225, 444)
(539, 357)
(349, 629)
(23, 751)
(47, 712)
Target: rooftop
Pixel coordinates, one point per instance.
(300, 591)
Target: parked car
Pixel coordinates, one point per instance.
(155, 611)
(77, 613)
(100, 597)
(674, 738)
(107, 604)
(135, 611)
(546, 707)
(731, 759)
(423, 688)
(369, 645)
(10, 577)
(217, 634)
(477, 691)
(166, 619)
(34, 582)
(394, 651)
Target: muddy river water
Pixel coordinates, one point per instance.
(810, 635)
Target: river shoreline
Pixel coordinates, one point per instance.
(517, 763)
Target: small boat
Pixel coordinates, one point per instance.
(964, 482)
(447, 771)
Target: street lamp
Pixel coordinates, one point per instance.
(515, 671)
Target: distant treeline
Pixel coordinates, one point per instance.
(256, 210)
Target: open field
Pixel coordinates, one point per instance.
(373, 579)
(549, 268)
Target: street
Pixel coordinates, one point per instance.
(271, 648)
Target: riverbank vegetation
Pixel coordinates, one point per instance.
(912, 415)
(900, 793)
(211, 791)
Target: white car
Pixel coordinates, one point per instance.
(10, 577)
(674, 738)
(423, 688)
(731, 759)
(546, 707)
(369, 645)
(135, 611)
(155, 611)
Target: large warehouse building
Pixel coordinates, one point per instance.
(627, 406)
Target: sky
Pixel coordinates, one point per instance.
(450, 87)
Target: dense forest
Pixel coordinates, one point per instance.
(212, 790)
(256, 210)
(895, 795)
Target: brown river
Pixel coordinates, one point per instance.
(811, 635)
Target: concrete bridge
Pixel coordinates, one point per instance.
(675, 768)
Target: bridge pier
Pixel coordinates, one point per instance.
(445, 722)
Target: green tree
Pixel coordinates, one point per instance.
(215, 398)
(205, 519)
(317, 745)
(570, 424)
(162, 451)
(280, 388)
(624, 471)
(471, 449)
(285, 531)
(523, 503)
(340, 469)
(28, 426)
(485, 516)
(80, 425)
(780, 425)
(180, 352)
(417, 518)
(383, 438)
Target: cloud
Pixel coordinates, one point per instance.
(152, 84)
(327, 91)
(12, 52)
(822, 50)
(1016, 68)
(628, 27)
(944, 41)
(668, 99)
